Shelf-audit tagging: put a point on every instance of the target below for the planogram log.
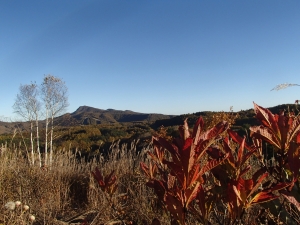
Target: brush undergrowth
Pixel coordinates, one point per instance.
(67, 193)
(208, 175)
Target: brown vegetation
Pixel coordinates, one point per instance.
(208, 175)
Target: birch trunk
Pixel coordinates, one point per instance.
(46, 140)
(32, 144)
(38, 141)
(51, 139)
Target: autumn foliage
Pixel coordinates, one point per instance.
(216, 169)
(205, 174)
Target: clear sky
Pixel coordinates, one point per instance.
(170, 57)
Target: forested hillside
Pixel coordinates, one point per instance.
(89, 129)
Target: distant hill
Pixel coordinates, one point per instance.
(10, 127)
(245, 116)
(86, 115)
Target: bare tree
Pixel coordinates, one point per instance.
(54, 95)
(27, 106)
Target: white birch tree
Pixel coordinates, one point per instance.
(27, 106)
(54, 95)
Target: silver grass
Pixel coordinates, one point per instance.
(283, 86)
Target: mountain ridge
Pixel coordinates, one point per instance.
(87, 115)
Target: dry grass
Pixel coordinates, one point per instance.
(67, 193)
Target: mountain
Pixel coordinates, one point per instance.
(86, 115)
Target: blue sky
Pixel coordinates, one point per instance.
(170, 57)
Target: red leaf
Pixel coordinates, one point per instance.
(187, 156)
(291, 199)
(244, 171)
(258, 173)
(238, 139)
(191, 193)
(198, 128)
(110, 179)
(206, 138)
(279, 186)
(176, 170)
(149, 171)
(165, 144)
(158, 187)
(283, 123)
(158, 154)
(294, 129)
(98, 176)
(258, 183)
(267, 118)
(293, 158)
(240, 153)
(247, 156)
(265, 133)
(175, 207)
(237, 192)
(215, 131)
(298, 138)
(108, 183)
(201, 200)
(262, 197)
(161, 142)
(215, 153)
(194, 174)
(227, 148)
(248, 184)
(212, 164)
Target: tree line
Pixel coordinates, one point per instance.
(41, 102)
